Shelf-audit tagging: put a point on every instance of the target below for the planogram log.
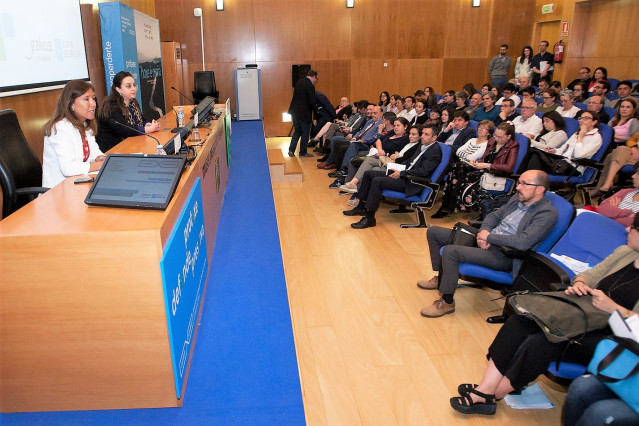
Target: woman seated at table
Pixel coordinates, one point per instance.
(549, 97)
(121, 107)
(500, 155)
(69, 136)
(623, 205)
(521, 351)
(582, 144)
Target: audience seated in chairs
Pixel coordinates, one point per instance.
(509, 91)
(549, 98)
(421, 115)
(507, 113)
(409, 109)
(522, 223)
(344, 149)
(625, 122)
(448, 99)
(500, 155)
(583, 77)
(624, 89)
(621, 156)
(528, 124)
(379, 163)
(344, 113)
(554, 134)
(567, 108)
(623, 205)
(457, 132)
(396, 104)
(352, 126)
(521, 351)
(581, 92)
(422, 163)
(475, 104)
(581, 145)
(595, 103)
(488, 111)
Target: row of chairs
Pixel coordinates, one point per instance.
(425, 200)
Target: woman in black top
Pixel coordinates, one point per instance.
(521, 351)
(121, 107)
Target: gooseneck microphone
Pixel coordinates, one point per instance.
(113, 121)
(183, 96)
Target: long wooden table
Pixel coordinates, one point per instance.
(82, 311)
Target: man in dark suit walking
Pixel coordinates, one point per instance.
(301, 109)
(422, 163)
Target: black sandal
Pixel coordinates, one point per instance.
(464, 404)
(465, 388)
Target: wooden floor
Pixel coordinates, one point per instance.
(365, 354)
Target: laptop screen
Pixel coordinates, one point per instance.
(136, 181)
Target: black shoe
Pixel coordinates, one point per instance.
(324, 158)
(291, 154)
(364, 222)
(357, 211)
(336, 183)
(306, 154)
(440, 214)
(337, 174)
(312, 142)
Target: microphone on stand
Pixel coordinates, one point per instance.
(117, 123)
(182, 95)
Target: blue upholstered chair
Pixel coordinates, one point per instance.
(481, 274)
(587, 178)
(473, 125)
(426, 198)
(572, 125)
(590, 238)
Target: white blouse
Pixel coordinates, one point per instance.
(63, 153)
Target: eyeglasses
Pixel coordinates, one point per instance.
(528, 107)
(521, 182)
(585, 117)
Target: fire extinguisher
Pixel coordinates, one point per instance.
(559, 51)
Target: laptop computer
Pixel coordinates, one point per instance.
(138, 181)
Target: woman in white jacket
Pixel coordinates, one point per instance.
(69, 136)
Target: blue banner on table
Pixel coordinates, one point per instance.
(119, 47)
(184, 265)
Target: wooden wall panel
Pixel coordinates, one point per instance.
(421, 32)
(467, 30)
(457, 72)
(375, 29)
(415, 74)
(369, 77)
(517, 14)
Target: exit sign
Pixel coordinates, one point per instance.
(548, 8)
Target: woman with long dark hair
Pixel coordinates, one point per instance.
(522, 64)
(69, 136)
(122, 107)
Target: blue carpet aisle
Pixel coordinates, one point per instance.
(244, 368)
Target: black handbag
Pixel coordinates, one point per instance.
(463, 235)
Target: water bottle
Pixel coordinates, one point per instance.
(180, 116)
(160, 150)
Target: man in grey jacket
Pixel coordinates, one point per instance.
(522, 223)
(498, 67)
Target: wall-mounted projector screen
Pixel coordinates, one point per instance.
(41, 45)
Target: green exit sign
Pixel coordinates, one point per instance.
(548, 8)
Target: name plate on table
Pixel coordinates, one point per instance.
(184, 266)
